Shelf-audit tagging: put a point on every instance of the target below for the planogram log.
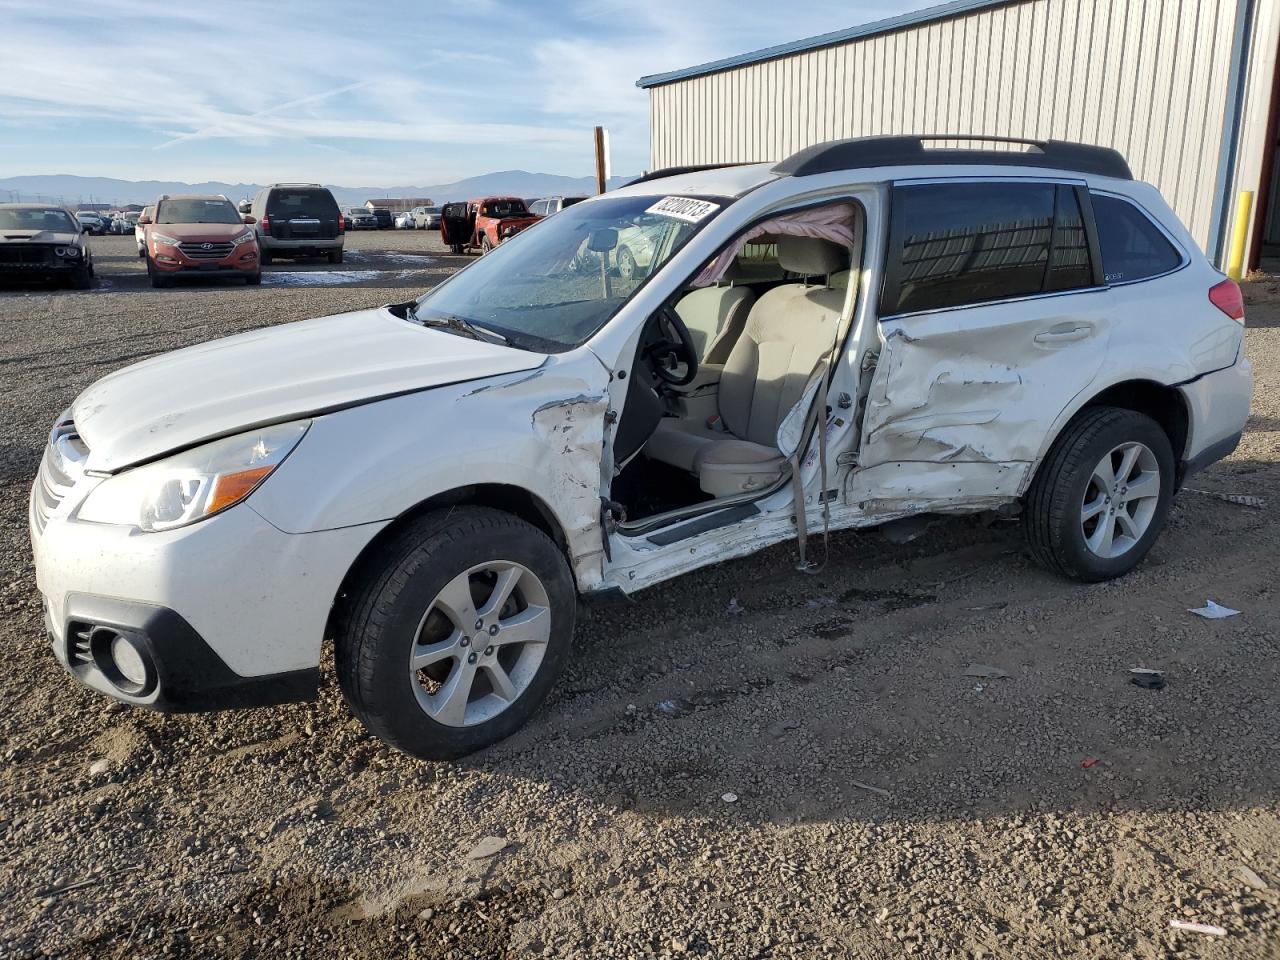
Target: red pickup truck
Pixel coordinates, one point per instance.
(483, 224)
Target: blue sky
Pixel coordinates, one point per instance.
(359, 93)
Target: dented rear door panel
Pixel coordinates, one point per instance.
(962, 399)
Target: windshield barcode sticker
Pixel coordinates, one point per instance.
(684, 208)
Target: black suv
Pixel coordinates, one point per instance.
(298, 220)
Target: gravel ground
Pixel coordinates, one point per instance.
(813, 776)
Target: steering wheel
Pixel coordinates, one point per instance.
(670, 348)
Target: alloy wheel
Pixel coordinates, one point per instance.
(480, 643)
(1120, 500)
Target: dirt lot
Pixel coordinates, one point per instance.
(887, 805)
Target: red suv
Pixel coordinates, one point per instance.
(199, 236)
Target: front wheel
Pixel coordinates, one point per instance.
(1101, 496)
(456, 632)
(485, 245)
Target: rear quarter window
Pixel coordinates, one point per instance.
(1133, 248)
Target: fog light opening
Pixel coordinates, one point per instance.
(124, 661)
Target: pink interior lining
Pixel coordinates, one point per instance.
(834, 223)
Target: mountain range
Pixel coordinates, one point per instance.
(73, 190)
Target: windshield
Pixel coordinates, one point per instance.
(554, 285)
(37, 218)
(433, 210)
(197, 211)
(505, 208)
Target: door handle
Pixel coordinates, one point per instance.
(1064, 334)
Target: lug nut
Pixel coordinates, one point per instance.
(465, 641)
(488, 651)
(493, 630)
(479, 624)
(471, 658)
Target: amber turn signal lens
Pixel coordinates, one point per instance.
(233, 487)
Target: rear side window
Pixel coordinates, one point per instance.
(301, 203)
(953, 244)
(1133, 248)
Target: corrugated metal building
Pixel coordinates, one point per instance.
(1185, 89)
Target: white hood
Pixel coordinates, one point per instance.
(271, 375)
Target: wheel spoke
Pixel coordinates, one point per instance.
(502, 589)
(1127, 461)
(1093, 508)
(450, 702)
(501, 683)
(1144, 487)
(1104, 477)
(1100, 542)
(531, 625)
(455, 602)
(1127, 525)
(425, 656)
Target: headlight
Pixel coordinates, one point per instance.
(159, 238)
(246, 237)
(194, 484)
(69, 252)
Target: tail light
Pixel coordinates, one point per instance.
(342, 223)
(1226, 296)
(266, 222)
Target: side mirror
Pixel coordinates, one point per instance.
(602, 240)
(791, 429)
(144, 219)
(248, 219)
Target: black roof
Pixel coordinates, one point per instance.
(892, 151)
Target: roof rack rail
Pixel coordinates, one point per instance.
(676, 171)
(906, 150)
(296, 184)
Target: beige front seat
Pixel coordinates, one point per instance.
(787, 331)
(715, 317)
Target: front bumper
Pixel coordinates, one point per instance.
(182, 673)
(236, 264)
(231, 610)
(29, 271)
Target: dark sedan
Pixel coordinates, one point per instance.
(44, 243)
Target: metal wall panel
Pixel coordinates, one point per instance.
(1148, 77)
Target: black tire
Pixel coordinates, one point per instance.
(254, 279)
(158, 280)
(485, 245)
(82, 279)
(264, 258)
(142, 253)
(381, 615)
(1051, 516)
(456, 248)
(335, 256)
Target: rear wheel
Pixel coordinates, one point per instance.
(1101, 496)
(456, 632)
(485, 245)
(335, 256)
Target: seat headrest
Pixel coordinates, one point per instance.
(810, 256)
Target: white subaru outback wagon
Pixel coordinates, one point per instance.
(868, 330)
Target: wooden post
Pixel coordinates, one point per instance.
(602, 159)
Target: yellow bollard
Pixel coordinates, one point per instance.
(1244, 207)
